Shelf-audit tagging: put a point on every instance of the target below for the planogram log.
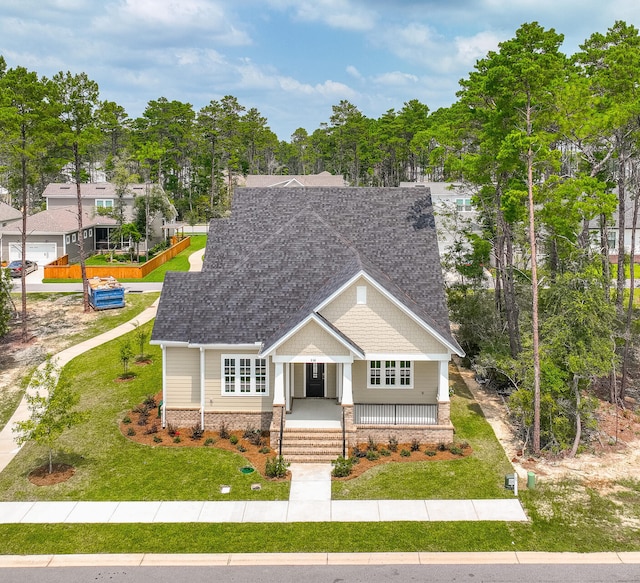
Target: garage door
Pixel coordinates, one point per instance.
(41, 253)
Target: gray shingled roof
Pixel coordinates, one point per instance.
(283, 251)
(91, 190)
(59, 221)
(8, 213)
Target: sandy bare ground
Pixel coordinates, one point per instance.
(609, 459)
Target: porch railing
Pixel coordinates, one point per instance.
(391, 414)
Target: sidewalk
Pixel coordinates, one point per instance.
(309, 501)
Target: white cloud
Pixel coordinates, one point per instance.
(164, 21)
(343, 14)
(395, 79)
(470, 49)
(353, 72)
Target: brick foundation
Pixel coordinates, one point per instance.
(404, 433)
(214, 419)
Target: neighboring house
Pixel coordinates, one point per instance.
(297, 180)
(325, 303)
(613, 230)
(453, 210)
(52, 234)
(102, 195)
(8, 216)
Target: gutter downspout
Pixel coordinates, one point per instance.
(164, 385)
(202, 377)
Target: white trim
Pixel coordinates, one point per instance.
(202, 380)
(278, 385)
(224, 346)
(397, 376)
(446, 357)
(443, 382)
(319, 358)
(392, 299)
(237, 392)
(164, 385)
(164, 343)
(347, 385)
(311, 317)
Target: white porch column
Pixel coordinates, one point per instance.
(202, 376)
(278, 386)
(443, 381)
(164, 385)
(347, 389)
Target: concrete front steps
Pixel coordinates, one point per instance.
(311, 445)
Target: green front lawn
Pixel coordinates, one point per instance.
(179, 263)
(479, 476)
(111, 467)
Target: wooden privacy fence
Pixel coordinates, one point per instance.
(60, 268)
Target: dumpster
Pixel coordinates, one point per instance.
(105, 293)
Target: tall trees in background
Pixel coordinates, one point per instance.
(77, 99)
(27, 117)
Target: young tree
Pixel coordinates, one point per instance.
(52, 408)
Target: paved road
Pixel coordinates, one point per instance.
(348, 568)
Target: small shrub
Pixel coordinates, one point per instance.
(141, 409)
(151, 430)
(393, 443)
(276, 467)
(241, 448)
(405, 453)
(131, 432)
(233, 439)
(442, 446)
(372, 455)
(372, 445)
(358, 453)
(177, 439)
(429, 452)
(342, 467)
(150, 402)
(224, 431)
(455, 449)
(196, 432)
(254, 436)
(143, 420)
(209, 441)
(384, 452)
(157, 439)
(464, 445)
(172, 430)
(415, 444)
(264, 449)
(126, 420)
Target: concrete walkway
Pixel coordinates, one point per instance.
(240, 511)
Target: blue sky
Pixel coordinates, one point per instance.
(291, 59)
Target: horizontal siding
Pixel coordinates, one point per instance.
(378, 325)
(183, 377)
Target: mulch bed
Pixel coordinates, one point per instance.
(61, 473)
(152, 434)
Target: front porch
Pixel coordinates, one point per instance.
(321, 429)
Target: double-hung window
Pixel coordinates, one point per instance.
(104, 203)
(390, 374)
(244, 374)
